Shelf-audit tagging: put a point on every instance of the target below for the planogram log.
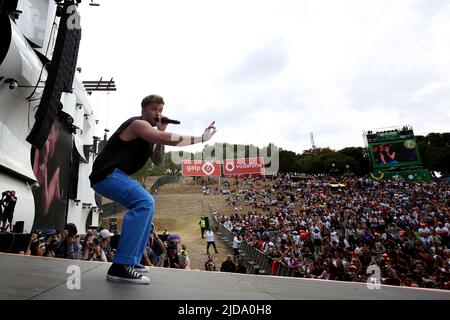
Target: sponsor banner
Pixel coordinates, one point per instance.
(200, 168)
(243, 166)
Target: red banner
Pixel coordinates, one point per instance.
(243, 166)
(200, 168)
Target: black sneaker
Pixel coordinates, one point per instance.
(121, 272)
(140, 268)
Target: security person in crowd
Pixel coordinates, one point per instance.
(202, 224)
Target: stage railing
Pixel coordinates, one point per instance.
(257, 261)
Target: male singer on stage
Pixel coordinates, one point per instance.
(125, 153)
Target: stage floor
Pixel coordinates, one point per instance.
(24, 277)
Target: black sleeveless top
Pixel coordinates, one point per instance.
(128, 156)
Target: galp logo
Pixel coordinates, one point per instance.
(208, 168)
(200, 168)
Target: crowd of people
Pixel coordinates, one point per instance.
(344, 228)
(164, 250)
(324, 227)
(231, 264)
(96, 246)
(168, 254)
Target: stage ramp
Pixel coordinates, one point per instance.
(24, 277)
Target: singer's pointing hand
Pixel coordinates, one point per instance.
(209, 132)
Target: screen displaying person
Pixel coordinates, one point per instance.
(51, 167)
(387, 156)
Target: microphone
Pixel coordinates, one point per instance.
(167, 120)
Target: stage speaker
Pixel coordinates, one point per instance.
(60, 78)
(18, 227)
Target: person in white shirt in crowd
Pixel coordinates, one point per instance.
(334, 235)
(442, 231)
(228, 224)
(236, 245)
(423, 230)
(210, 241)
(284, 236)
(297, 238)
(316, 237)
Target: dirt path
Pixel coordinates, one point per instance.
(178, 207)
(180, 213)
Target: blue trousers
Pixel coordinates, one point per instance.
(137, 222)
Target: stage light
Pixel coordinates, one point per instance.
(15, 14)
(87, 205)
(35, 185)
(12, 83)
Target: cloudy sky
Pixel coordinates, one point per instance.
(273, 70)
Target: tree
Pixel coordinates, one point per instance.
(149, 169)
(317, 151)
(360, 164)
(434, 150)
(289, 161)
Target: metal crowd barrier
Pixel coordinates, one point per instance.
(257, 261)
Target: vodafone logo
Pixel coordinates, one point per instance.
(208, 168)
(244, 166)
(229, 166)
(248, 165)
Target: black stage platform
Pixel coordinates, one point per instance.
(24, 277)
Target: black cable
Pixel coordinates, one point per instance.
(44, 64)
(37, 83)
(28, 117)
(36, 99)
(51, 33)
(54, 40)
